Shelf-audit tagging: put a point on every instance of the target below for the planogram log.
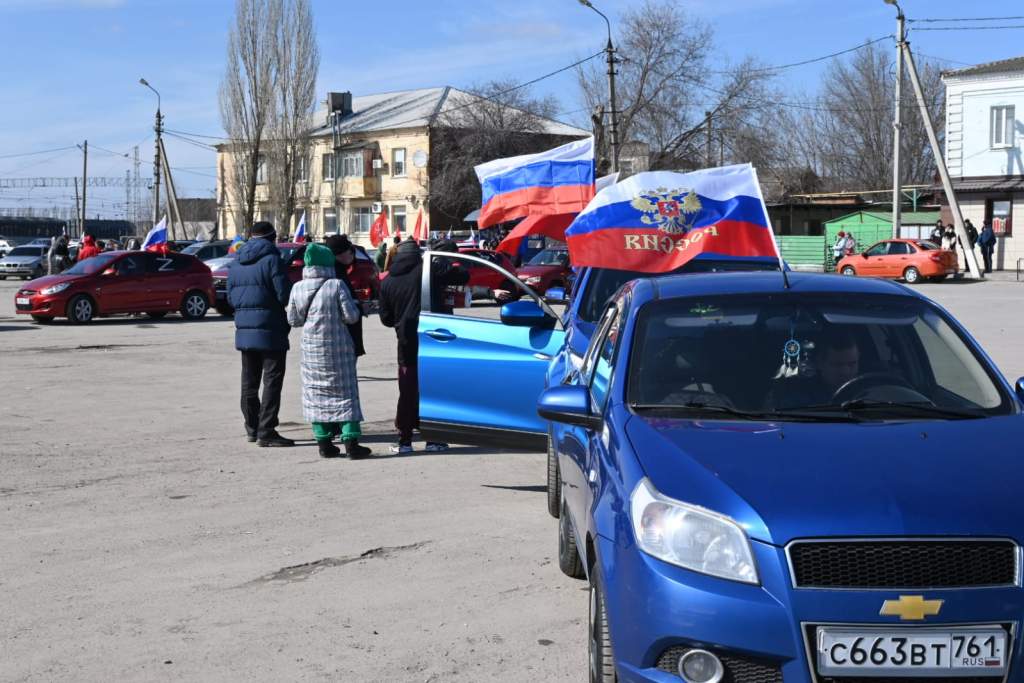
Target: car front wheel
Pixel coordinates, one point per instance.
(848, 270)
(911, 275)
(194, 305)
(81, 309)
(602, 664)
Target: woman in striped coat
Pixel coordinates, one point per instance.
(321, 304)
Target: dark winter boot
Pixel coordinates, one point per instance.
(327, 449)
(354, 451)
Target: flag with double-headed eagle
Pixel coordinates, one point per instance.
(655, 222)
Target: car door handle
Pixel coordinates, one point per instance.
(542, 356)
(440, 335)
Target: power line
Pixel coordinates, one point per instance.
(967, 28)
(780, 67)
(195, 135)
(29, 154)
(932, 21)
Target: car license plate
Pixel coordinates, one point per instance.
(912, 652)
(21, 301)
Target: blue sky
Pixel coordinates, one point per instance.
(74, 65)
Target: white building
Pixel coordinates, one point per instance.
(985, 150)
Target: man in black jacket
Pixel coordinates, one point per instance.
(400, 299)
(258, 289)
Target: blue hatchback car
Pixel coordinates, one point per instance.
(813, 484)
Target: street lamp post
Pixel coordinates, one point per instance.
(897, 124)
(159, 128)
(613, 122)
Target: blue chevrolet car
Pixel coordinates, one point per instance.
(817, 483)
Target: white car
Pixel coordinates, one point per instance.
(5, 247)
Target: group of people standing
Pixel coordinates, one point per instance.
(324, 305)
(946, 237)
(58, 256)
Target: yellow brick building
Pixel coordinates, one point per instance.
(371, 154)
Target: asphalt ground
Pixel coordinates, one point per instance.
(143, 539)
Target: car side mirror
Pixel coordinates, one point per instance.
(1019, 386)
(525, 314)
(568, 404)
(556, 295)
(864, 254)
(110, 271)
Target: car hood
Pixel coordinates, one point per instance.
(51, 280)
(527, 271)
(21, 260)
(799, 480)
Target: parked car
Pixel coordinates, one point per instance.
(5, 246)
(734, 525)
(549, 268)
(120, 282)
(906, 259)
(179, 245)
(205, 251)
(27, 261)
(40, 242)
(484, 282)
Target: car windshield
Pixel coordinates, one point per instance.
(550, 257)
(26, 251)
(809, 356)
(193, 248)
(604, 282)
(90, 266)
(924, 245)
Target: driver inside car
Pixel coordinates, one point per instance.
(836, 362)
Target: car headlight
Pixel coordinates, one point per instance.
(56, 289)
(690, 536)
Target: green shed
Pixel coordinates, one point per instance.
(868, 227)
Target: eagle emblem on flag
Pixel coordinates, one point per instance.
(672, 211)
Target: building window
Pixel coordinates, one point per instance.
(398, 162)
(398, 219)
(362, 219)
(1002, 127)
(302, 168)
(328, 166)
(330, 221)
(1000, 212)
(261, 169)
(352, 165)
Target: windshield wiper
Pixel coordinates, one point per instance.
(898, 408)
(764, 416)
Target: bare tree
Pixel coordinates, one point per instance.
(297, 60)
(247, 96)
(666, 85)
(494, 122)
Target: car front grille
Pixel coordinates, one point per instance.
(913, 564)
(737, 669)
(904, 679)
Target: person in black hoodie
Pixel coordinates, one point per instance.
(400, 300)
(258, 290)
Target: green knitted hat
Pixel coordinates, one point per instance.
(318, 255)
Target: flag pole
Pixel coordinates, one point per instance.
(775, 241)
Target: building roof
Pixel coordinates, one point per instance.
(906, 217)
(1003, 65)
(986, 184)
(415, 109)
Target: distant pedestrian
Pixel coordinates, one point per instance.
(972, 232)
(391, 252)
(344, 256)
(258, 289)
(88, 249)
(949, 238)
(937, 232)
(381, 256)
(323, 306)
(987, 241)
(400, 298)
(839, 248)
(58, 258)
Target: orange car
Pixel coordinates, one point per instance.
(909, 260)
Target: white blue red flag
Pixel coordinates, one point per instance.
(560, 180)
(156, 236)
(300, 232)
(655, 222)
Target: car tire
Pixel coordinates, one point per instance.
(194, 305)
(848, 270)
(81, 309)
(42, 319)
(156, 315)
(554, 482)
(599, 643)
(569, 560)
(911, 275)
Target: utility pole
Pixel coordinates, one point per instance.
(897, 124)
(85, 178)
(78, 207)
(613, 128)
(940, 161)
(710, 160)
(159, 128)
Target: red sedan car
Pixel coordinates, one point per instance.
(909, 260)
(120, 282)
(549, 268)
(484, 282)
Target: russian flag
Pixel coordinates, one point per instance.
(560, 180)
(156, 236)
(655, 222)
(300, 232)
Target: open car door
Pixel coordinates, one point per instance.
(482, 368)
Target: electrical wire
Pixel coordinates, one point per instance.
(30, 154)
(934, 21)
(967, 28)
(780, 67)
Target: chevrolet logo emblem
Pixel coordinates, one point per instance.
(911, 608)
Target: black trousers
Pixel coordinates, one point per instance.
(986, 255)
(261, 413)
